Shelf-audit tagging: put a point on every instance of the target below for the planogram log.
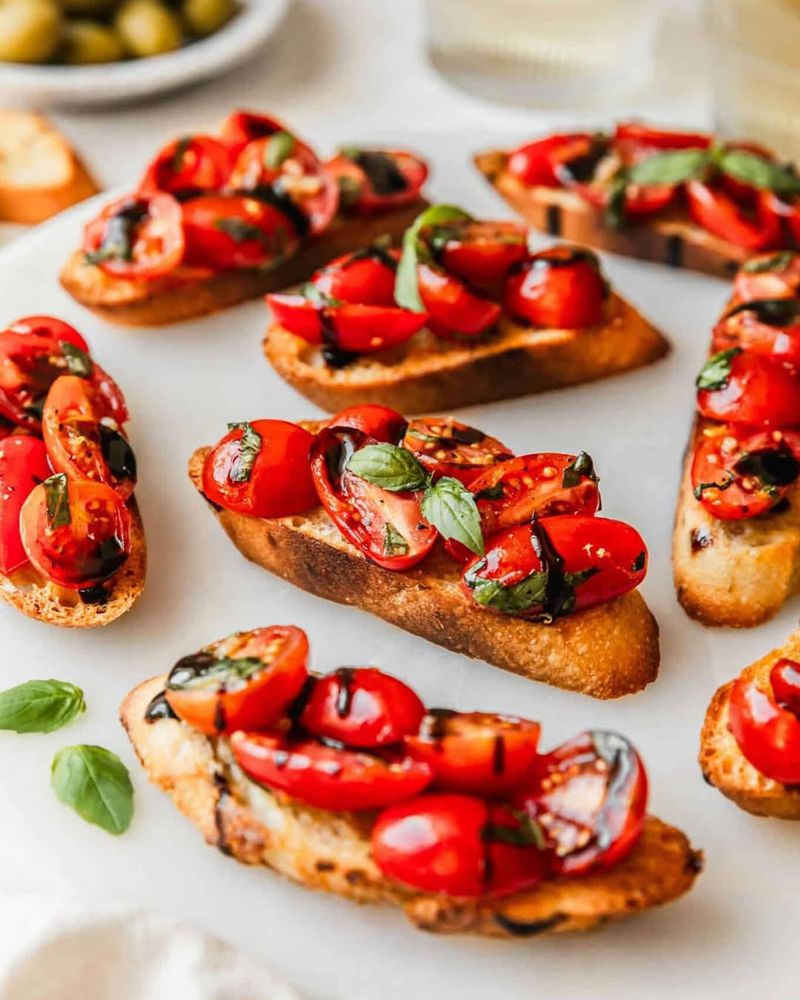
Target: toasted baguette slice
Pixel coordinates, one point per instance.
(169, 299)
(723, 763)
(47, 602)
(670, 238)
(331, 851)
(606, 651)
(40, 174)
(427, 374)
(734, 573)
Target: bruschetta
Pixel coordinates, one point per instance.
(750, 744)
(217, 220)
(736, 545)
(72, 546)
(465, 314)
(680, 198)
(345, 782)
(438, 528)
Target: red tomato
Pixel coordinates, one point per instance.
(560, 288)
(533, 164)
(188, 166)
(722, 216)
(445, 447)
(757, 389)
(75, 532)
(478, 752)
(365, 277)
(740, 471)
(768, 326)
(246, 681)
(556, 566)
(47, 328)
(23, 465)
(137, 237)
(789, 213)
(644, 136)
(362, 707)
(785, 680)
(378, 422)
(589, 797)
(225, 232)
(327, 777)
(769, 276)
(242, 127)
(377, 180)
(767, 730)
(451, 306)
(480, 253)
(261, 469)
(386, 527)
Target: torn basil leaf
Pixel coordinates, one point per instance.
(674, 166)
(279, 148)
(717, 370)
(250, 446)
(758, 172)
(56, 492)
(406, 288)
(775, 262)
(78, 362)
(582, 465)
(394, 544)
(387, 466)
(450, 507)
(528, 593)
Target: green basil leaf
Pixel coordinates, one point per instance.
(394, 544)
(450, 507)
(702, 487)
(224, 670)
(406, 288)
(56, 492)
(78, 362)
(181, 148)
(672, 167)
(310, 291)
(40, 706)
(96, 784)
(240, 231)
(279, 148)
(387, 466)
(752, 169)
(775, 262)
(528, 593)
(528, 834)
(614, 212)
(582, 465)
(250, 442)
(496, 492)
(717, 370)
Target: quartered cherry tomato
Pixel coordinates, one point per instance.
(376, 421)
(386, 527)
(640, 136)
(377, 180)
(246, 681)
(365, 277)
(768, 276)
(75, 532)
(765, 724)
(560, 288)
(242, 127)
(768, 326)
(137, 237)
(740, 471)
(749, 388)
(261, 469)
(226, 232)
(362, 707)
(23, 465)
(480, 253)
(445, 447)
(556, 566)
(327, 777)
(724, 216)
(589, 798)
(533, 163)
(189, 166)
(451, 307)
(478, 752)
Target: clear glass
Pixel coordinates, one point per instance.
(543, 53)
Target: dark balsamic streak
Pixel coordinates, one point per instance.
(344, 698)
(159, 708)
(223, 794)
(674, 253)
(520, 928)
(499, 755)
(554, 220)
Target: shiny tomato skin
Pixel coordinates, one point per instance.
(760, 390)
(364, 278)
(242, 127)
(532, 163)
(785, 680)
(762, 330)
(362, 707)
(377, 181)
(23, 465)
(445, 447)
(639, 135)
(139, 237)
(451, 307)
(327, 777)
(212, 698)
(188, 166)
(48, 328)
(376, 421)
(480, 253)
(227, 232)
(767, 733)
(279, 482)
(560, 288)
(779, 281)
(721, 215)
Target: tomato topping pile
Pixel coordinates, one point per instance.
(464, 803)
(765, 721)
(372, 181)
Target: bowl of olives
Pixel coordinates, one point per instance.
(101, 52)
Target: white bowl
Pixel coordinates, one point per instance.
(111, 83)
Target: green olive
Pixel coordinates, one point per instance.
(90, 42)
(89, 7)
(30, 30)
(204, 17)
(148, 28)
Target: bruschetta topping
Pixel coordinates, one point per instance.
(765, 721)
(372, 180)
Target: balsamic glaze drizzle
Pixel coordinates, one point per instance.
(159, 708)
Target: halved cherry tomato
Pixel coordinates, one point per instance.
(379, 422)
(445, 447)
(768, 276)
(589, 797)
(75, 532)
(377, 180)
(82, 440)
(362, 707)
(556, 566)
(137, 237)
(788, 211)
(767, 326)
(261, 469)
(188, 166)
(327, 777)
(225, 232)
(456, 845)
(639, 135)
(560, 288)
(764, 724)
(23, 465)
(386, 527)
(533, 164)
(47, 328)
(246, 681)
(756, 389)
(242, 127)
(740, 471)
(480, 253)
(451, 306)
(365, 277)
(478, 752)
(723, 216)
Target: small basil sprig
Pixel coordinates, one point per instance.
(717, 370)
(406, 288)
(250, 443)
(78, 362)
(96, 784)
(40, 706)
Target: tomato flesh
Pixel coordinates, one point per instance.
(371, 181)
(768, 326)
(768, 276)
(764, 724)
(242, 127)
(560, 288)
(365, 277)
(723, 216)
(533, 163)
(445, 447)
(451, 307)
(376, 421)
(187, 166)
(227, 232)
(138, 238)
(644, 136)
(758, 390)
(480, 253)
(23, 465)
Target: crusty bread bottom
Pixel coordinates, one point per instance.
(331, 851)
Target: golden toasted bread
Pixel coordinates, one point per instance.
(606, 651)
(427, 373)
(331, 851)
(723, 763)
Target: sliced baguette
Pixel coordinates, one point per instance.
(54, 605)
(606, 651)
(331, 851)
(428, 374)
(723, 763)
(169, 300)
(669, 238)
(40, 173)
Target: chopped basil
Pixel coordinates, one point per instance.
(758, 172)
(582, 465)
(775, 262)
(528, 834)
(406, 289)
(217, 672)
(383, 173)
(78, 361)
(313, 294)
(181, 148)
(614, 213)
(528, 593)
(394, 544)
(279, 148)
(674, 166)
(250, 446)
(388, 466)
(450, 507)
(56, 491)
(96, 784)
(120, 234)
(40, 706)
(717, 370)
(702, 487)
(241, 231)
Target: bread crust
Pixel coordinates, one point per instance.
(427, 374)
(331, 851)
(723, 763)
(168, 300)
(606, 652)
